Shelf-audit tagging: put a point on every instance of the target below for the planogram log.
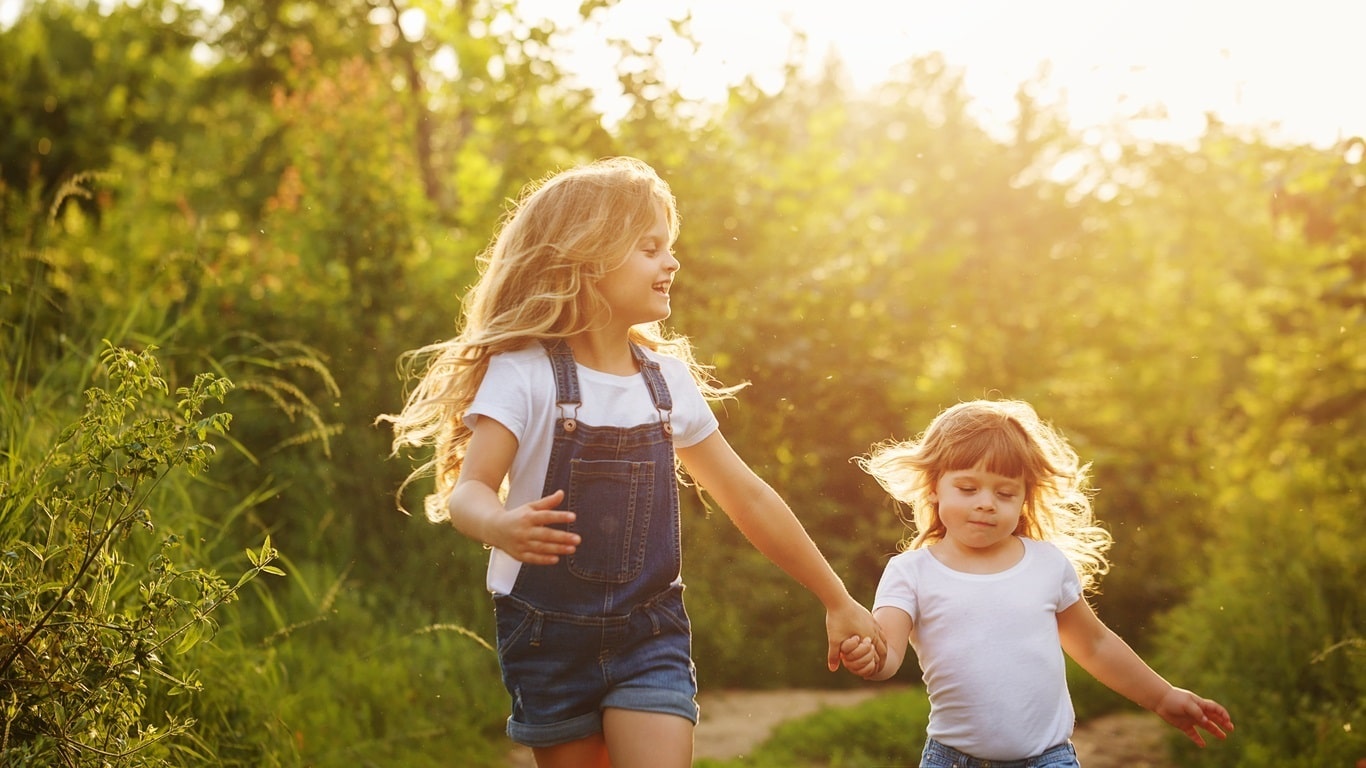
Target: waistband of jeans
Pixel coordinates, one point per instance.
(964, 760)
(673, 591)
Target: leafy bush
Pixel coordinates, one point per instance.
(87, 631)
(1276, 626)
(1293, 677)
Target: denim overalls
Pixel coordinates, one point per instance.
(605, 626)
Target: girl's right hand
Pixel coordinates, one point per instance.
(524, 532)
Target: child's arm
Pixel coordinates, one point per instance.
(769, 524)
(1111, 661)
(857, 652)
(478, 512)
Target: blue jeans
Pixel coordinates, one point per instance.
(938, 755)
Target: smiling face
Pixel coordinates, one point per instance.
(980, 510)
(637, 291)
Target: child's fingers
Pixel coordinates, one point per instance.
(1194, 736)
(549, 517)
(858, 656)
(1196, 714)
(863, 667)
(855, 648)
(1215, 713)
(548, 502)
(1215, 728)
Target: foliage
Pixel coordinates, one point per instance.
(336, 672)
(81, 84)
(289, 195)
(1287, 475)
(86, 629)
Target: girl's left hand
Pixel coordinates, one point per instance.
(852, 620)
(1186, 711)
(860, 657)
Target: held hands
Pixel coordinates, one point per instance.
(860, 657)
(524, 531)
(853, 622)
(1185, 711)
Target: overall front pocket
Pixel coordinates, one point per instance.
(612, 502)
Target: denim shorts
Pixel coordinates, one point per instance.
(938, 755)
(562, 669)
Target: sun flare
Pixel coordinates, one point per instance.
(1161, 65)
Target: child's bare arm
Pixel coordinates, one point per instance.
(769, 524)
(1111, 661)
(478, 512)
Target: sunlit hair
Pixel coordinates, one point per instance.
(1007, 438)
(538, 280)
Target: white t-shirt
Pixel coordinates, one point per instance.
(988, 648)
(518, 392)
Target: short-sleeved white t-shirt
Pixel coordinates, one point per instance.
(989, 649)
(518, 392)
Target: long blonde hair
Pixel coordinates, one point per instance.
(1004, 437)
(537, 281)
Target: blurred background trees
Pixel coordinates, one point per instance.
(290, 195)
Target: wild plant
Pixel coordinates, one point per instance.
(85, 628)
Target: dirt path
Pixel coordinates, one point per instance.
(734, 722)
(1136, 740)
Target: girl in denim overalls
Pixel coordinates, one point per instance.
(557, 414)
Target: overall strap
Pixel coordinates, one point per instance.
(567, 393)
(566, 375)
(659, 390)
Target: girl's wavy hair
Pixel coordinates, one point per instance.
(538, 280)
(1004, 437)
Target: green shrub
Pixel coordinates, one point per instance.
(1275, 634)
(87, 631)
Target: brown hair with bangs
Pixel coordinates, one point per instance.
(1007, 438)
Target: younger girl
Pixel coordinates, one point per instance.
(991, 587)
(558, 413)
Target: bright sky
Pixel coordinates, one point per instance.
(1291, 68)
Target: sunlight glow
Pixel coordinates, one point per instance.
(1159, 64)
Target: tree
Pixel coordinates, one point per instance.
(1286, 467)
